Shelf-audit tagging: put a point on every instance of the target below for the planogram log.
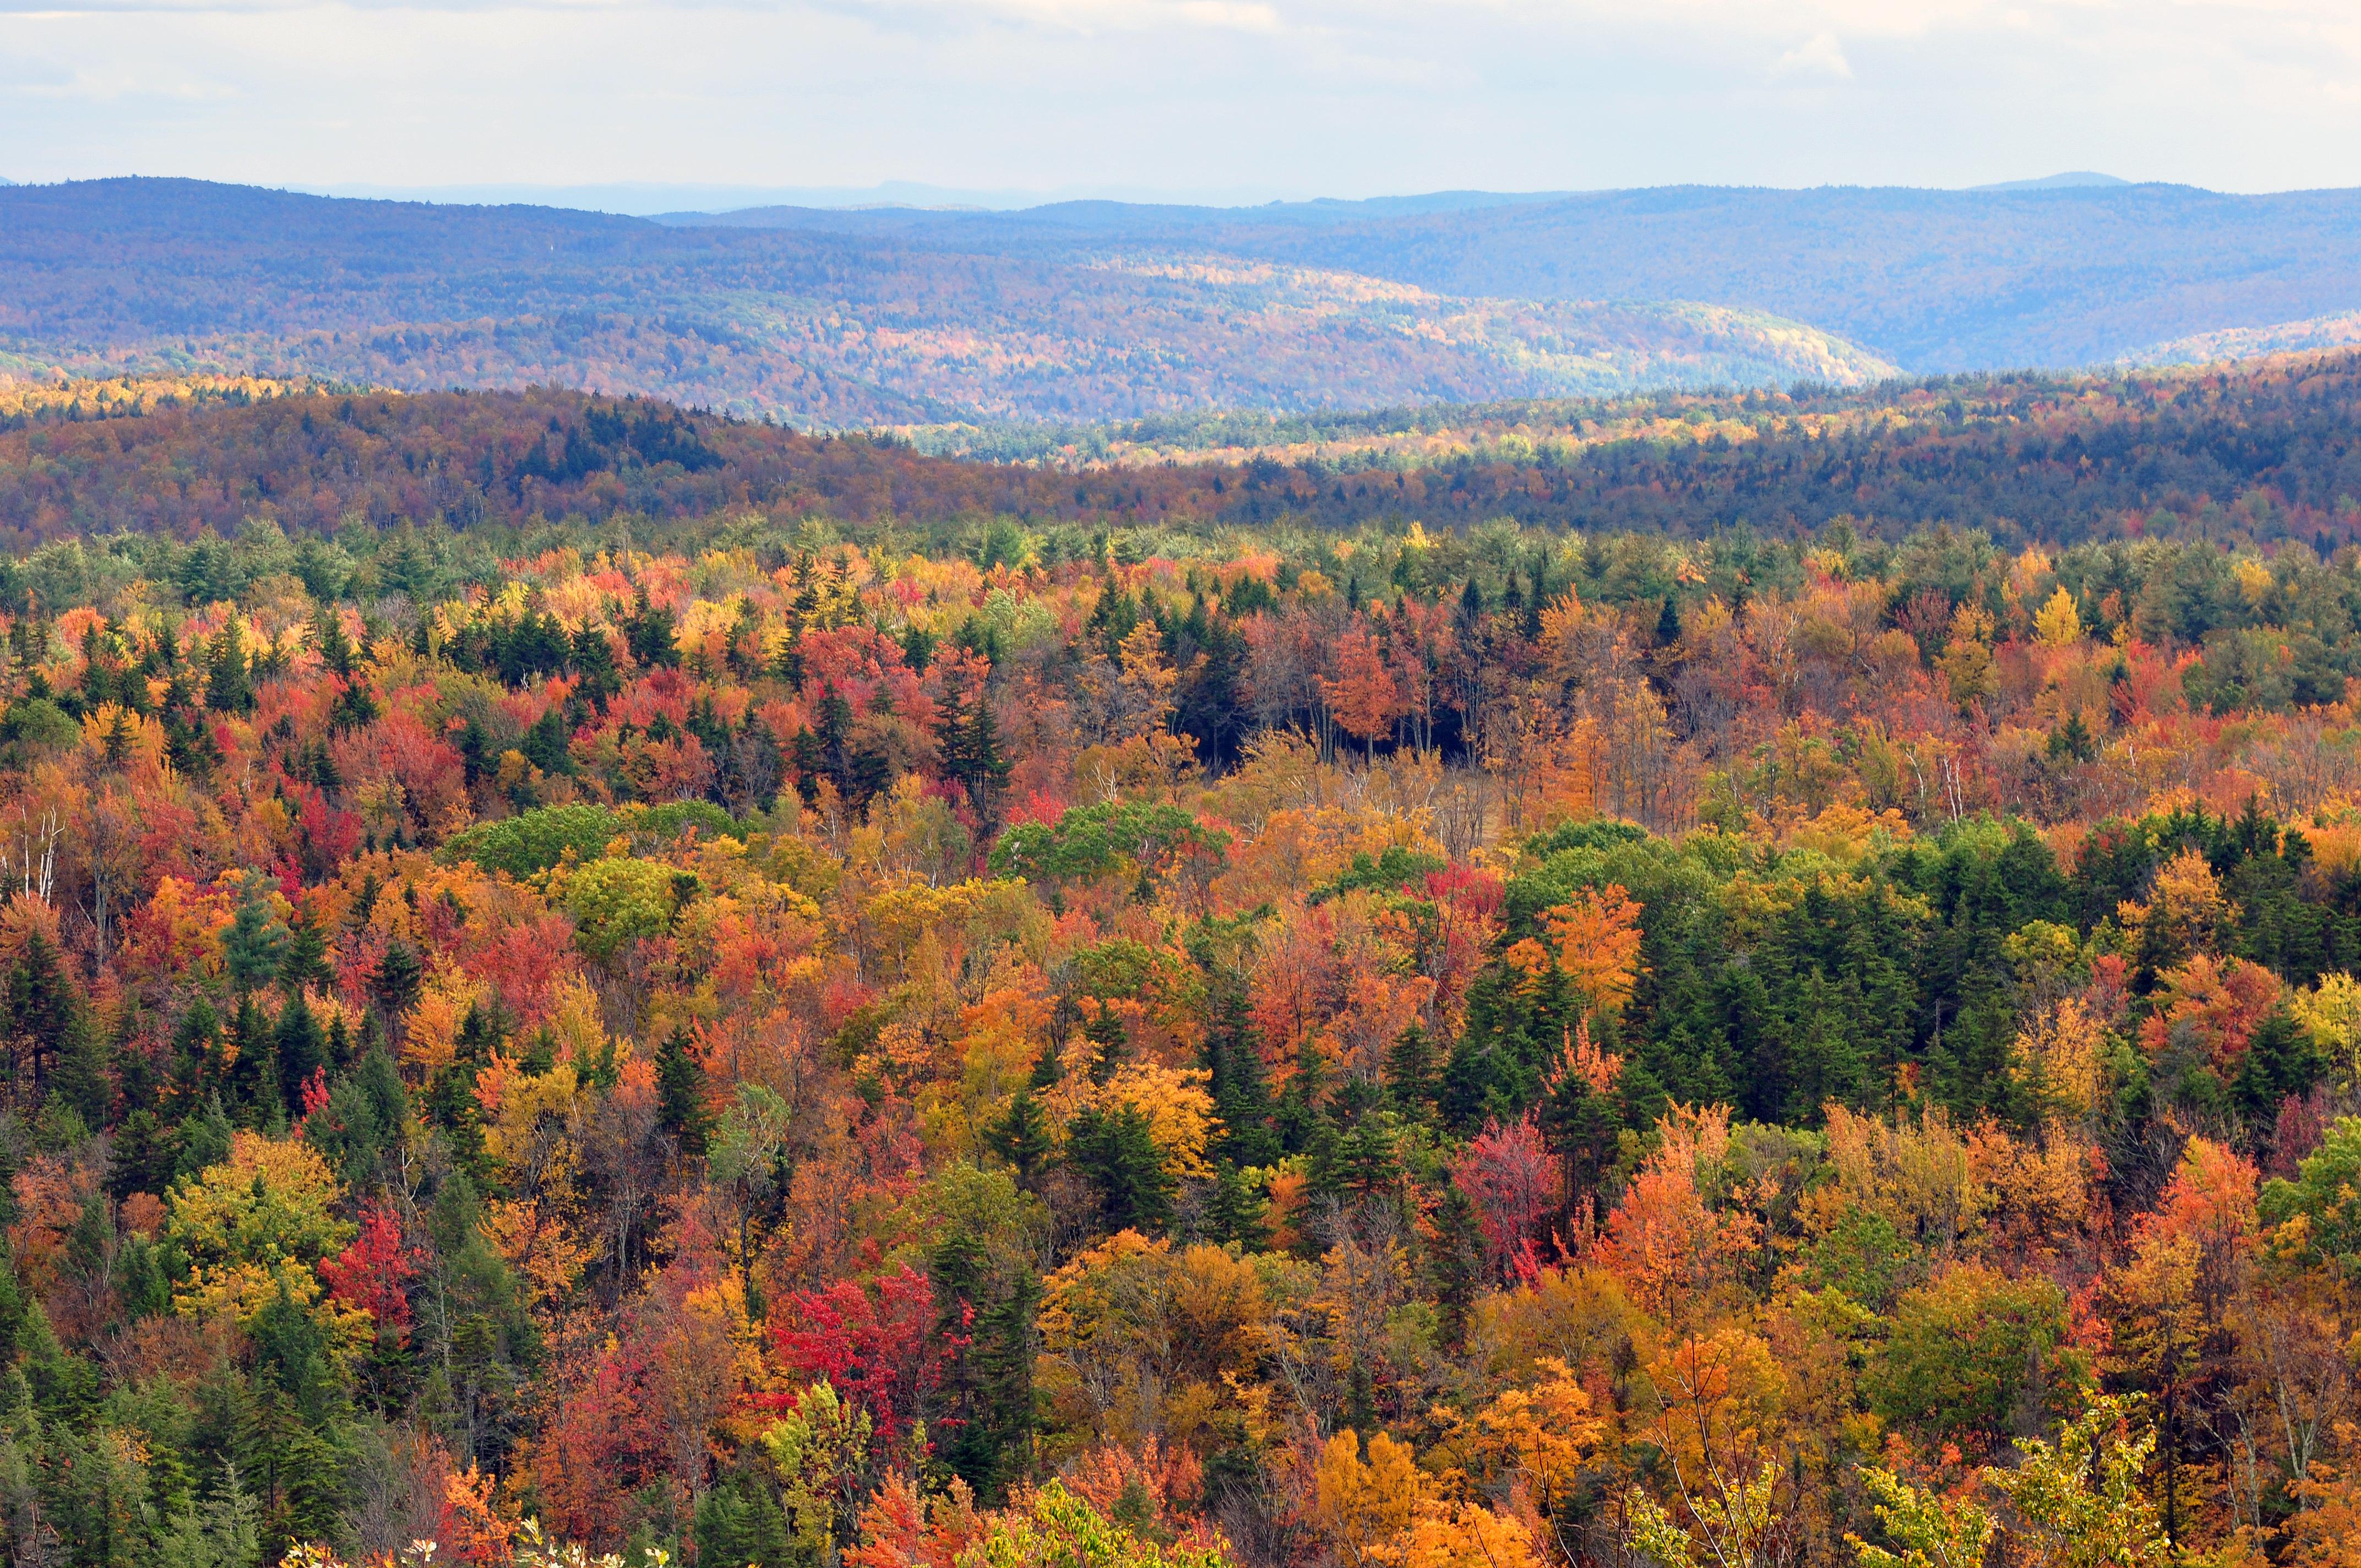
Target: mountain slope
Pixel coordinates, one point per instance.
(2272, 451)
(1935, 280)
(827, 328)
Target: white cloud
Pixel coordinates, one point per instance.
(1819, 55)
(1343, 97)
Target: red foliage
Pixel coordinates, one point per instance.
(1507, 1173)
(370, 1274)
(876, 1345)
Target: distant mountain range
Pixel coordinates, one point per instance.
(1932, 280)
(1097, 310)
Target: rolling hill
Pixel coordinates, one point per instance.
(2272, 451)
(815, 328)
(1933, 280)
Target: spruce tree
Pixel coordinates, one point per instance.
(1237, 1214)
(252, 1089)
(680, 1093)
(43, 1008)
(229, 684)
(301, 1051)
(1412, 1077)
(399, 976)
(1456, 1262)
(255, 940)
(986, 1297)
(303, 963)
(1022, 1137)
(1117, 1153)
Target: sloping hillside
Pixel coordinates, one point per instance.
(1935, 280)
(828, 329)
(2273, 451)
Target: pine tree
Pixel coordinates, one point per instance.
(988, 766)
(1236, 1214)
(1241, 1092)
(204, 1138)
(680, 1093)
(1412, 1079)
(1022, 1137)
(1456, 1262)
(335, 648)
(986, 1297)
(741, 1523)
(301, 1051)
(1118, 1153)
(44, 1008)
(255, 940)
(80, 1083)
(592, 659)
(398, 977)
(229, 684)
(252, 1087)
(142, 1156)
(303, 963)
(196, 1062)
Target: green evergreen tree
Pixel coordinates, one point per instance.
(400, 975)
(44, 1010)
(1023, 1139)
(1454, 1262)
(741, 1523)
(1412, 1080)
(303, 963)
(257, 938)
(985, 1300)
(681, 1105)
(229, 684)
(1117, 1153)
(1236, 1214)
(250, 1093)
(301, 1051)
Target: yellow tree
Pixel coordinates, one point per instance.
(261, 1221)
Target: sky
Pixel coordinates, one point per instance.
(1221, 100)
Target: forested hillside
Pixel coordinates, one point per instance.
(831, 330)
(1934, 280)
(2266, 452)
(757, 1002)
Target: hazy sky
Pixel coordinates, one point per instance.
(1235, 98)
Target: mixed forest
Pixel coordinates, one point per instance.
(749, 1001)
(171, 276)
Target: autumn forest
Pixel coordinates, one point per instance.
(1752, 980)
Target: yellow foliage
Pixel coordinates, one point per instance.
(430, 1036)
(1920, 1177)
(1384, 1510)
(254, 1225)
(2185, 911)
(1544, 1434)
(2059, 624)
(2061, 1050)
(1365, 1506)
(2331, 1012)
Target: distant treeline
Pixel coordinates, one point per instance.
(2262, 453)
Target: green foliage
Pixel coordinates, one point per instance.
(2081, 1497)
(2321, 1207)
(615, 902)
(1931, 1532)
(1136, 840)
(1060, 1530)
(535, 840)
(226, 1531)
(1115, 1152)
(1968, 1350)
